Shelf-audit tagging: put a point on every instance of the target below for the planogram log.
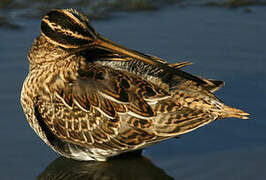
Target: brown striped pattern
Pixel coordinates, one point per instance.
(67, 28)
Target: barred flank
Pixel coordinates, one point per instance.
(67, 28)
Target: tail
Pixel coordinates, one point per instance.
(234, 113)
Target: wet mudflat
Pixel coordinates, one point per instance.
(224, 44)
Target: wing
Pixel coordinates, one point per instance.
(210, 84)
(117, 109)
(154, 74)
(102, 107)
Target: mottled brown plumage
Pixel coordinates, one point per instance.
(90, 99)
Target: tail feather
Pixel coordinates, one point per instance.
(235, 113)
(180, 64)
(214, 85)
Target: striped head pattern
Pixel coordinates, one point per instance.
(68, 28)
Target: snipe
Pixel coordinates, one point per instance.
(89, 98)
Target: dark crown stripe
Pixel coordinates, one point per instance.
(59, 18)
(61, 39)
(83, 19)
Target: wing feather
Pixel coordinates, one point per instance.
(112, 108)
(112, 92)
(94, 109)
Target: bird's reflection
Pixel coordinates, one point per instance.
(119, 168)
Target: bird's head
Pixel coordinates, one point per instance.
(71, 30)
(63, 31)
(68, 28)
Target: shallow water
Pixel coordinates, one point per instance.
(223, 44)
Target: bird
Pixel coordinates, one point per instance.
(91, 99)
